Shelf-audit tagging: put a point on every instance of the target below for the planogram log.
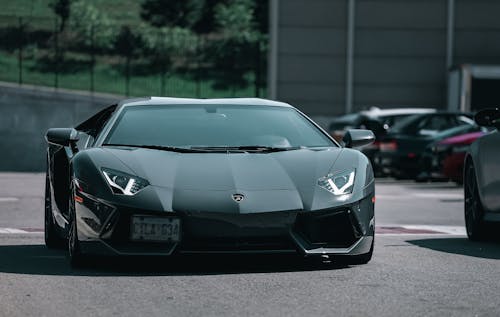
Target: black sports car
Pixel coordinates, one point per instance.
(162, 176)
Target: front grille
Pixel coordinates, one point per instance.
(334, 229)
(238, 244)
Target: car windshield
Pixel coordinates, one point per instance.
(430, 124)
(206, 126)
(405, 124)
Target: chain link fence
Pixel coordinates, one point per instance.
(35, 51)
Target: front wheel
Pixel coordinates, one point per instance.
(74, 252)
(52, 238)
(473, 209)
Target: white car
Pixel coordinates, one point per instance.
(482, 179)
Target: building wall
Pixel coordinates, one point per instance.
(27, 113)
(400, 51)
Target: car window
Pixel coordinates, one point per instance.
(408, 124)
(435, 123)
(212, 125)
(465, 120)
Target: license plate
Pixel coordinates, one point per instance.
(147, 228)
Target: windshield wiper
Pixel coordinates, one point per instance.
(160, 147)
(247, 148)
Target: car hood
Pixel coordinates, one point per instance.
(225, 171)
(272, 181)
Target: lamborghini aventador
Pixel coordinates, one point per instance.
(166, 176)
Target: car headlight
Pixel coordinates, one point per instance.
(122, 183)
(338, 183)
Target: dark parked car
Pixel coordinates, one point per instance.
(401, 149)
(377, 120)
(444, 159)
(166, 176)
(482, 179)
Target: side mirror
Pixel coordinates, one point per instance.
(488, 118)
(62, 136)
(358, 138)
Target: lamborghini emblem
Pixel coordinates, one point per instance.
(238, 197)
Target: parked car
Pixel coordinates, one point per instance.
(401, 149)
(164, 176)
(482, 179)
(444, 159)
(377, 120)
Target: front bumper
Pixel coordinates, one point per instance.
(343, 230)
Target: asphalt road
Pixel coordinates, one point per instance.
(423, 265)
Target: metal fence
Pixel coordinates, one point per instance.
(35, 51)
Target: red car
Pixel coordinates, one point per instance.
(456, 148)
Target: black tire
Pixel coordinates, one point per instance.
(52, 238)
(75, 255)
(473, 209)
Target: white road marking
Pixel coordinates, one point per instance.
(18, 231)
(384, 230)
(8, 199)
(405, 197)
(454, 230)
(439, 195)
(397, 230)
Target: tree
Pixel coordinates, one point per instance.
(94, 29)
(172, 13)
(207, 24)
(62, 9)
(239, 45)
(166, 44)
(127, 44)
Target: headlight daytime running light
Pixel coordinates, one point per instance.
(122, 183)
(339, 183)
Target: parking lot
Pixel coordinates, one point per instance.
(423, 265)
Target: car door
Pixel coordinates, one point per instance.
(59, 158)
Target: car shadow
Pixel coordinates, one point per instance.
(463, 246)
(38, 260)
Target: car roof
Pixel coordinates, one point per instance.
(147, 101)
(377, 112)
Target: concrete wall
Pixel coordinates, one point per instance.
(27, 112)
(399, 55)
(311, 54)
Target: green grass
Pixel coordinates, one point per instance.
(26, 8)
(107, 78)
(40, 16)
(127, 11)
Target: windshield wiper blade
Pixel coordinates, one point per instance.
(245, 148)
(264, 148)
(159, 147)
